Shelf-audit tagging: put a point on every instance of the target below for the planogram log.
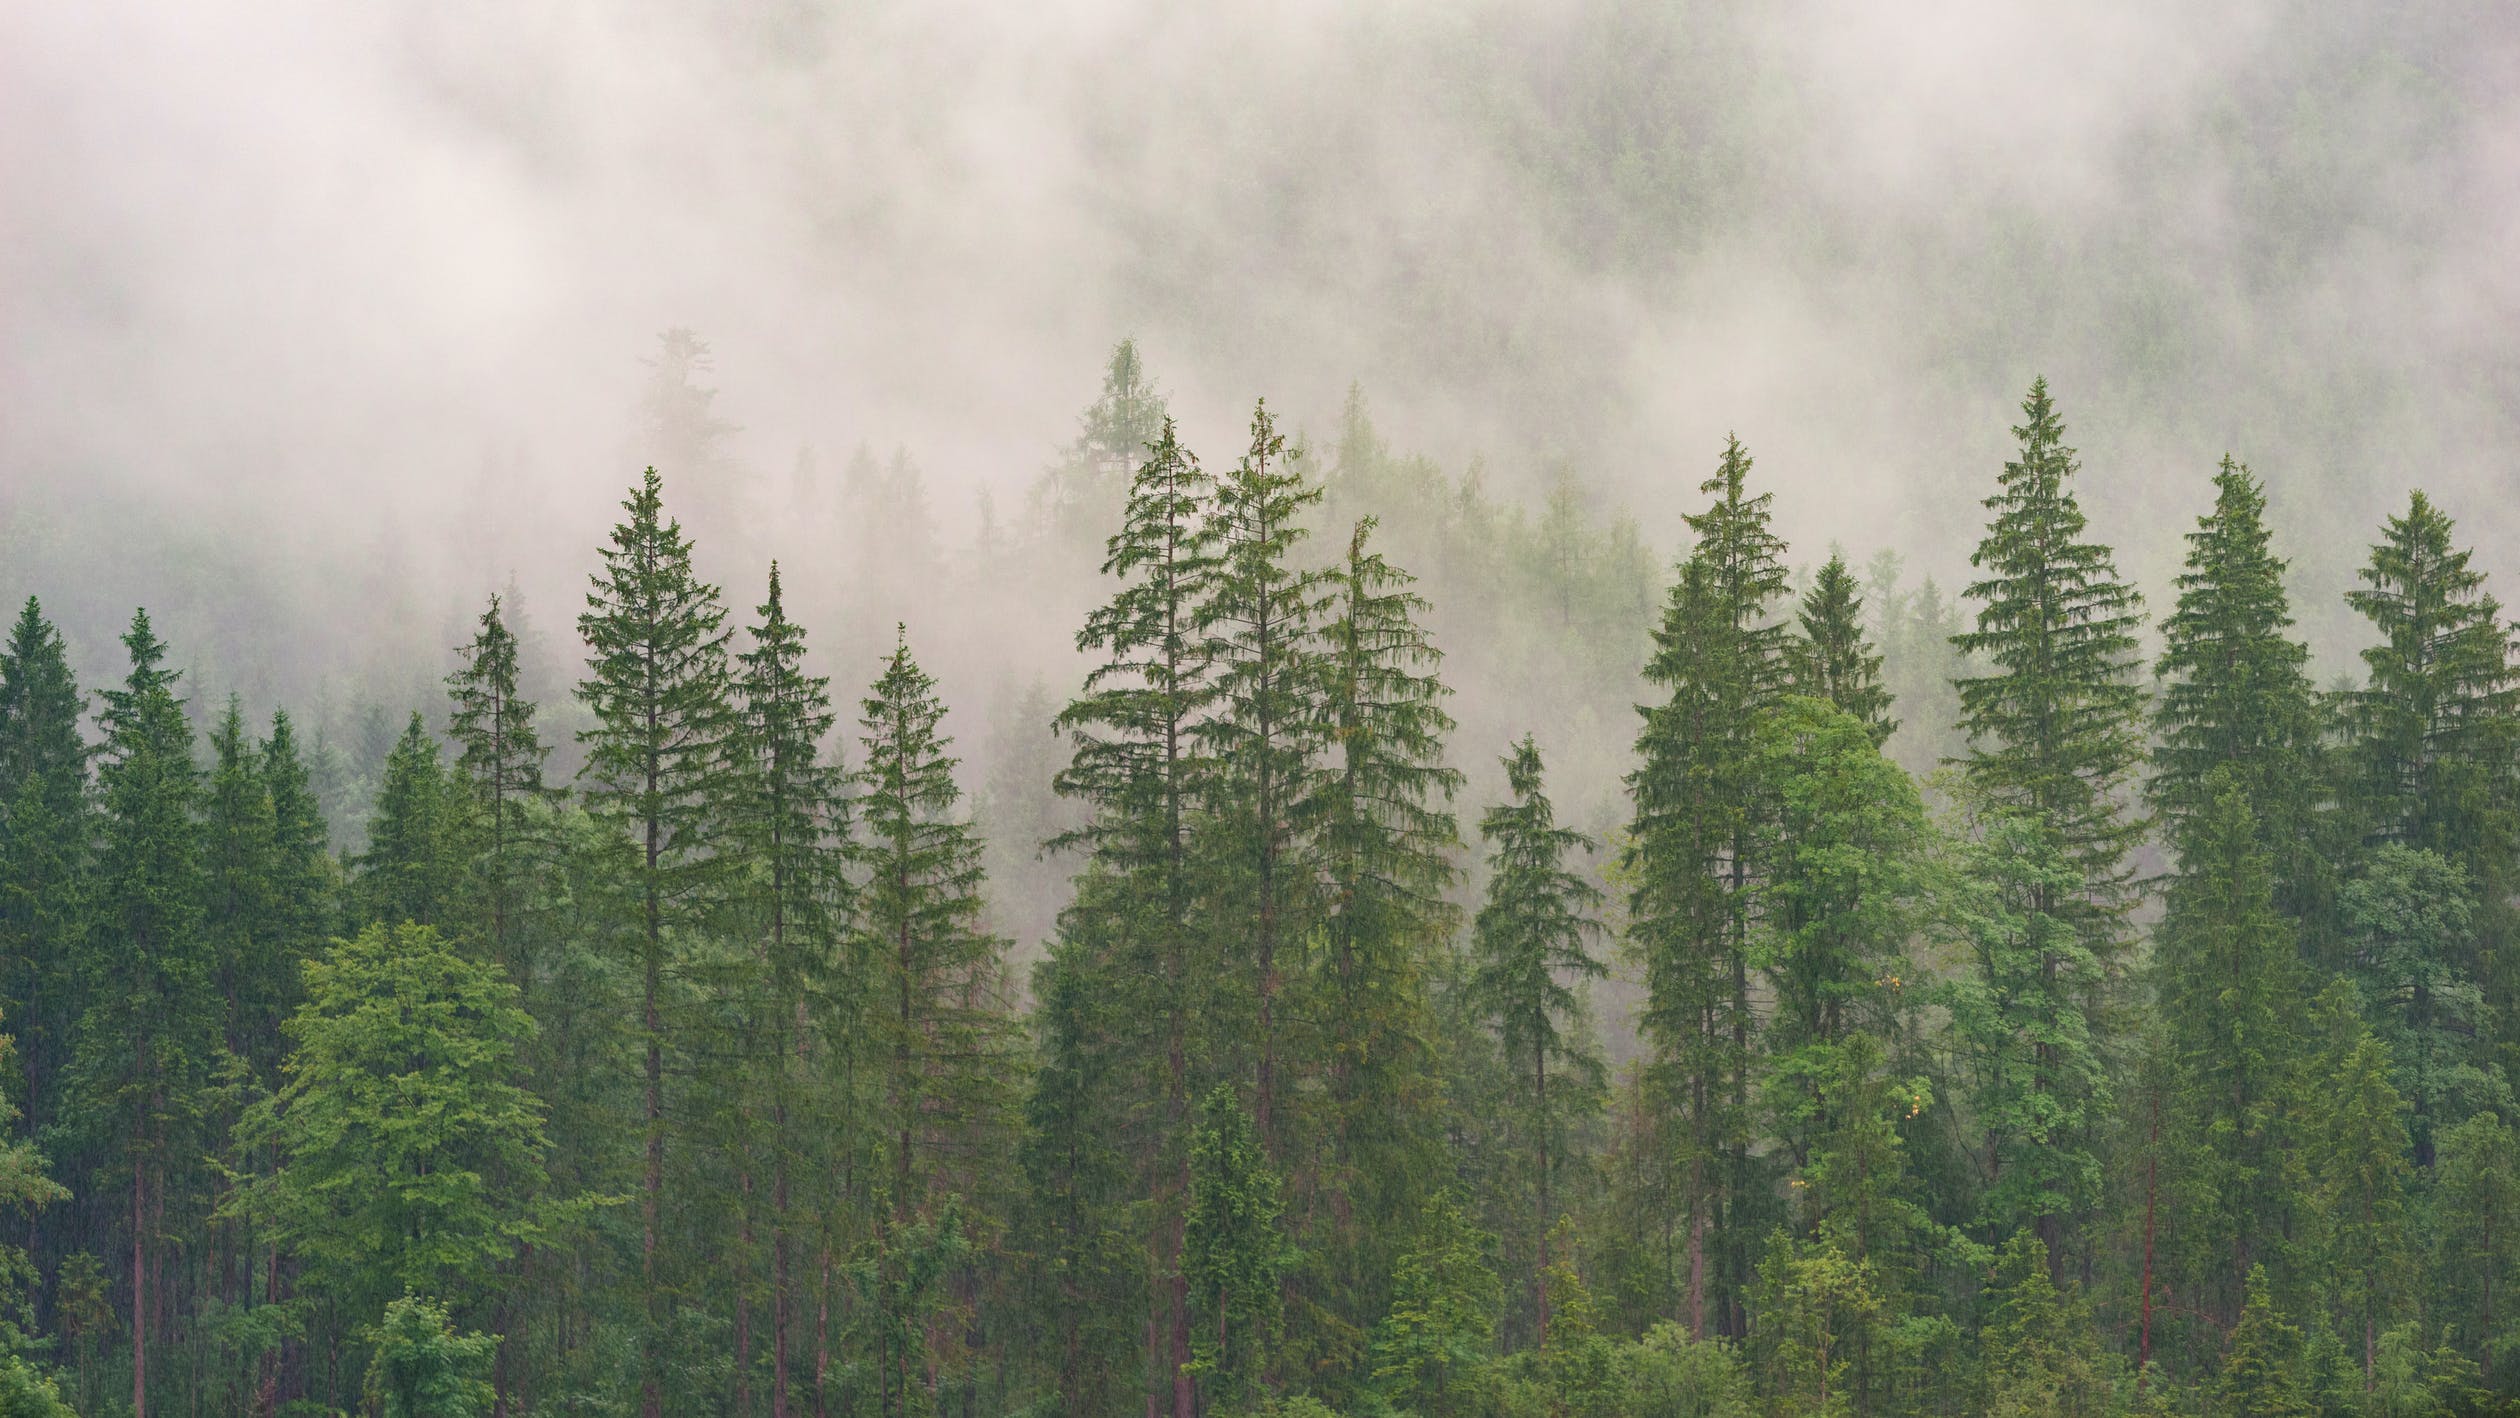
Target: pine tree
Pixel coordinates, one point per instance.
(46, 830)
(414, 861)
(1138, 763)
(1833, 661)
(2236, 697)
(1234, 1251)
(935, 1013)
(1382, 832)
(2055, 727)
(2036, 1351)
(2434, 729)
(2228, 979)
(787, 828)
(499, 776)
(2409, 922)
(2021, 1022)
(1720, 661)
(656, 687)
(936, 972)
(2361, 1151)
(305, 879)
(241, 918)
(1844, 843)
(1087, 488)
(1261, 617)
(2261, 1377)
(1442, 1321)
(1532, 945)
(2477, 1235)
(148, 1034)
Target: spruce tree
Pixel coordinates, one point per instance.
(305, 879)
(1532, 944)
(47, 824)
(2055, 726)
(2228, 980)
(2434, 728)
(2409, 926)
(1719, 662)
(939, 1037)
(1833, 660)
(2476, 1236)
(1137, 762)
(2236, 698)
(148, 1034)
(787, 828)
(499, 776)
(934, 997)
(1260, 618)
(2361, 1151)
(241, 915)
(1235, 1252)
(2261, 1378)
(657, 688)
(1085, 492)
(1382, 833)
(414, 861)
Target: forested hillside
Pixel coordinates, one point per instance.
(1407, 953)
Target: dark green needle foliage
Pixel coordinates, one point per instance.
(1533, 953)
(413, 866)
(2236, 697)
(1235, 1252)
(1834, 660)
(46, 843)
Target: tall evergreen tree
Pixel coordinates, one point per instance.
(1235, 1251)
(2228, 981)
(1382, 831)
(1720, 660)
(2435, 726)
(2055, 727)
(1833, 660)
(499, 775)
(2236, 697)
(657, 688)
(2476, 1233)
(1532, 941)
(240, 916)
(1085, 491)
(936, 1007)
(148, 1036)
(2361, 1150)
(414, 861)
(1139, 764)
(2409, 922)
(46, 839)
(787, 828)
(1261, 617)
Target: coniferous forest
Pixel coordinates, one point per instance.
(2041, 996)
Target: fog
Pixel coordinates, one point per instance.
(351, 304)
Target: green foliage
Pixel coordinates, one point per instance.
(2036, 1351)
(1834, 661)
(2434, 728)
(1234, 1251)
(1721, 664)
(2055, 726)
(422, 1368)
(47, 838)
(2236, 697)
(2410, 945)
(412, 1156)
(1442, 1321)
(2261, 1375)
(26, 1392)
(1531, 951)
(2477, 1236)
(2361, 1149)
(414, 863)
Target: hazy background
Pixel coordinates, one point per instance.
(319, 321)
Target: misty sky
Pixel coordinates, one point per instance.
(304, 270)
